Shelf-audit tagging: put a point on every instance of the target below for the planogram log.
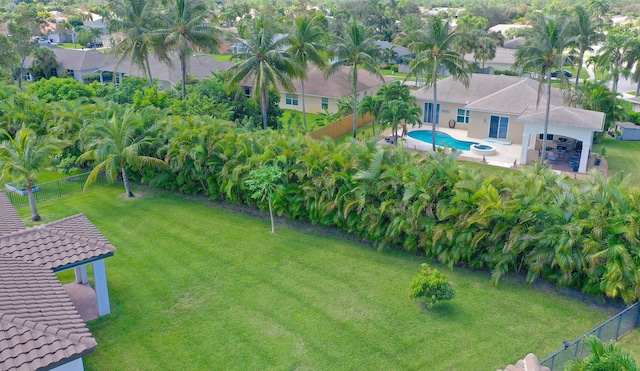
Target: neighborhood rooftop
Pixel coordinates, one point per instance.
(9, 219)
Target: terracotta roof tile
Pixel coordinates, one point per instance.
(58, 244)
(10, 221)
(39, 324)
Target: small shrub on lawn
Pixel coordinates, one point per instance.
(431, 285)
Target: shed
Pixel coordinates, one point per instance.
(627, 131)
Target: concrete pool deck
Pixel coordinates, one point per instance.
(506, 155)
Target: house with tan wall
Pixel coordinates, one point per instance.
(324, 93)
(509, 109)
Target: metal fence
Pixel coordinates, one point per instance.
(611, 329)
(53, 189)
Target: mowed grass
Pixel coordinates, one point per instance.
(622, 157)
(196, 287)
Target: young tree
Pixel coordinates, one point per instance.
(432, 286)
(265, 183)
(22, 157)
(264, 63)
(434, 48)
(542, 51)
(185, 28)
(115, 144)
(356, 50)
(306, 41)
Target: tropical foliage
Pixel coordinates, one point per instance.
(605, 357)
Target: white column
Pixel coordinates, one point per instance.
(81, 274)
(525, 148)
(584, 156)
(102, 291)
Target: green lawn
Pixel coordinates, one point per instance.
(622, 157)
(222, 57)
(195, 287)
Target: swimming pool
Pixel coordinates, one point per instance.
(442, 139)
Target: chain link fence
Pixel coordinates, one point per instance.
(53, 189)
(611, 329)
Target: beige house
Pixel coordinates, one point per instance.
(509, 109)
(503, 61)
(321, 93)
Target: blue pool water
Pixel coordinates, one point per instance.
(442, 139)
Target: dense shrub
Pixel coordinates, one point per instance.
(56, 89)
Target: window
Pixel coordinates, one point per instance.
(247, 91)
(498, 127)
(463, 116)
(325, 103)
(428, 113)
(291, 99)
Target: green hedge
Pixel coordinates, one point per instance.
(582, 234)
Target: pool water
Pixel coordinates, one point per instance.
(442, 139)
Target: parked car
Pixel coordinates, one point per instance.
(566, 73)
(93, 45)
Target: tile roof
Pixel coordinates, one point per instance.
(57, 245)
(77, 60)
(10, 221)
(337, 85)
(513, 95)
(198, 66)
(565, 116)
(39, 325)
(503, 56)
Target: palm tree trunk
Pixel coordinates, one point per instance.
(125, 180)
(435, 107)
(580, 59)
(304, 110)
(146, 57)
(183, 67)
(638, 86)
(355, 101)
(543, 155)
(273, 226)
(32, 203)
(263, 107)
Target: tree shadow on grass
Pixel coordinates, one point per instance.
(440, 310)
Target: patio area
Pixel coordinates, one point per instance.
(506, 155)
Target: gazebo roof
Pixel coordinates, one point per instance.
(565, 116)
(59, 245)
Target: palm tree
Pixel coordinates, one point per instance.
(613, 52)
(610, 357)
(114, 144)
(305, 43)
(136, 19)
(632, 58)
(22, 157)
(585, 31)
(371, 104)
(265, 63)
(186, 28)
(356, 50)
(434, 51)
(397, 111)
(543, 50)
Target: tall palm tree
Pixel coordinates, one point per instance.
(434, 51)
(618, 41)
(584, 28)
(136, 19)
(186, 27)
(397, 111)
(114, 143)
(357, 49)
(22, 157)
(632, 58)
(305, 44)
(264, 62)
(542, 51)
